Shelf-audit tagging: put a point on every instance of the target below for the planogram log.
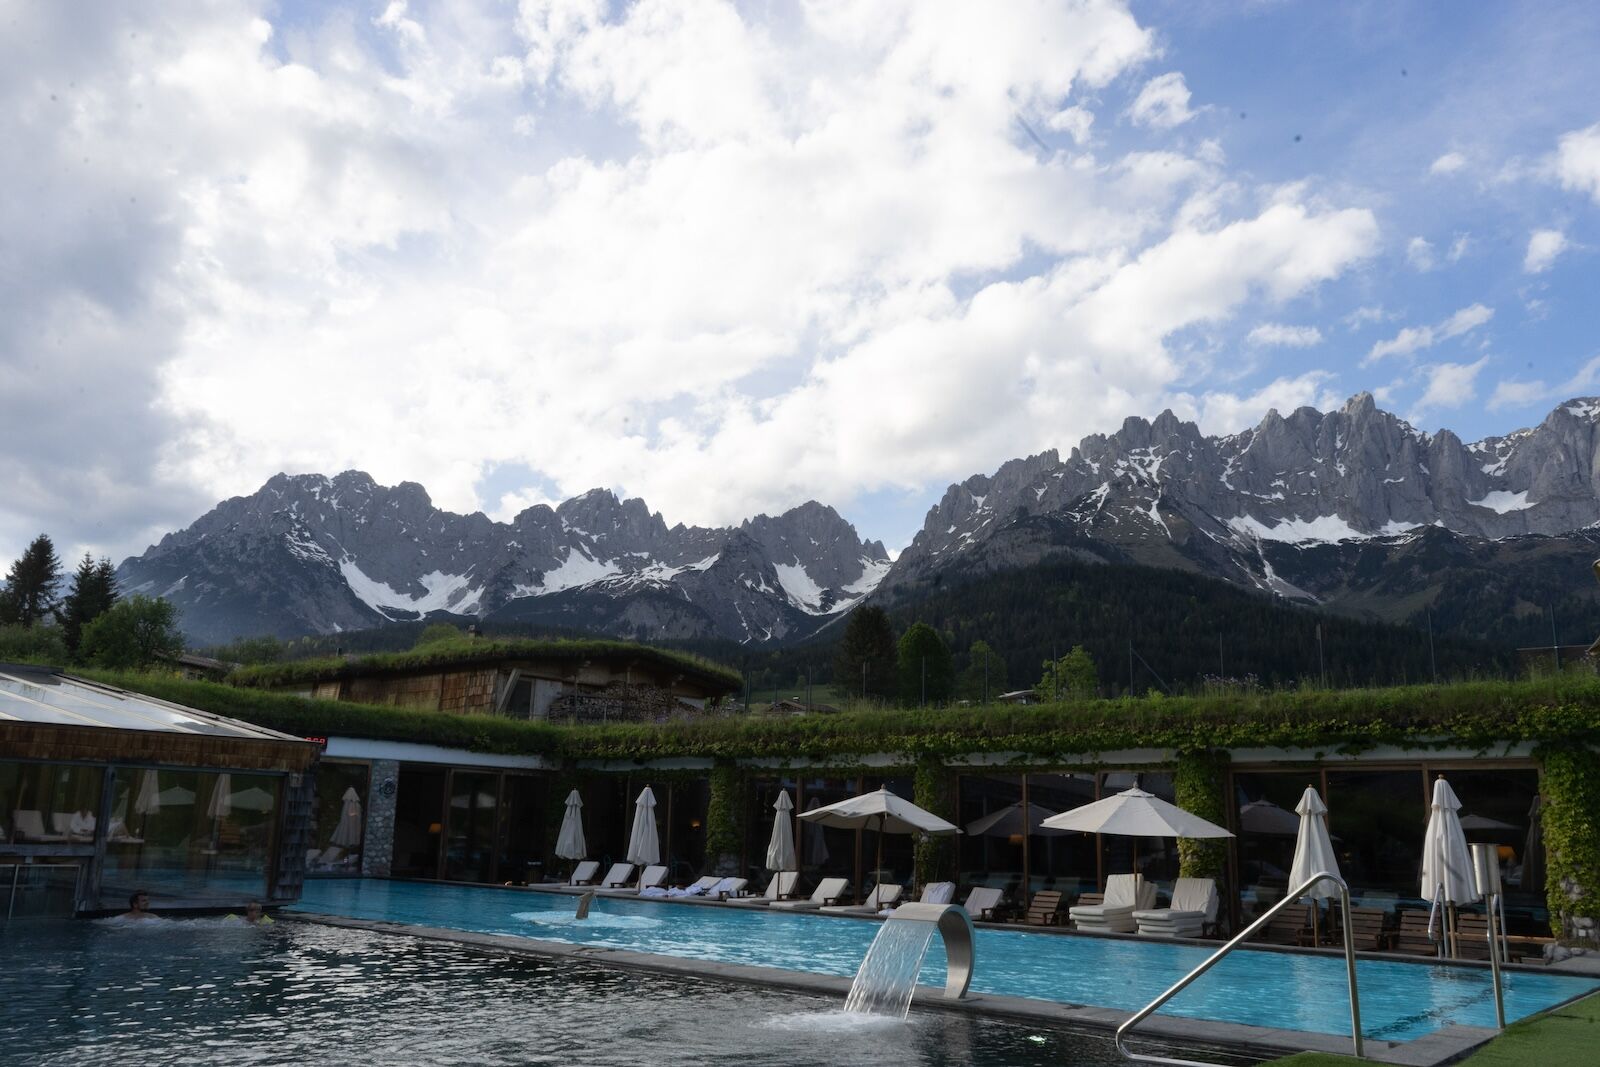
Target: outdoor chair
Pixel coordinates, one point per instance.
(650, 878)
(1193, 908)
(982, 904)
(1414, 937)
(700, 887)
(584, 873)
(1044, 909)
(1369, 929)
(779, 888)
(727, 888)
(884, 895)
(617, 877)
(1125, 894)
(938, 893)
(1087, 899)
(1291, 926)
(828, 891)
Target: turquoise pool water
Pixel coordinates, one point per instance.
(183, 993)
(1399, 1001)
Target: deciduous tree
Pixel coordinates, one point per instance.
(133, 635)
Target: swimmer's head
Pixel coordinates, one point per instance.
(252, 911)
(139, 901)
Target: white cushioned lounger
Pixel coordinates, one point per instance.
(1125, 894)
(1194, 903)
(828, 890)
(881, 897)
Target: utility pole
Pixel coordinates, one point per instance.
(808, 688)
(1322, 666)
(1433, 662)
(924, 684)
(985, 677)
(1555, 646)
(1222, 672)
(863, 679)
(1130, 666)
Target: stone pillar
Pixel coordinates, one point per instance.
(377, 849)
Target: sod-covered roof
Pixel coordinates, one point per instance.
(445, 655)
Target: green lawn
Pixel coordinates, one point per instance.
(1566, 1037)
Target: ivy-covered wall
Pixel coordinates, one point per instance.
(1570, 786)
(934, 790)
(725, 818)
(1199, 782)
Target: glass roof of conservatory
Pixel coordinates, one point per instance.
(44, 695)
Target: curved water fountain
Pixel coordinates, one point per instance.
(888, 974)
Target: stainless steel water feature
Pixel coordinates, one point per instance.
(955, 929)
(1248, 932)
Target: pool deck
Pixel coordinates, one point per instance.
(1441, 1047)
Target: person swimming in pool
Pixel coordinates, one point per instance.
(139, 907)
(253, 915)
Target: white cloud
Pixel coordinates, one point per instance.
(398, 255)
(1413, 339)
(1449, 385)
(1419, 253)
(1163, 103)
(1225, 412)
(1448, 163)
(1275, 333)
(1366, 315)
(1577, 161)
(1076, 121)
(1458, 247)
(1543, 248)
(1515, 393)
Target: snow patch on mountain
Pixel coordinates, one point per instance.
(1322, 530)
(1502, 501)
(442, 592)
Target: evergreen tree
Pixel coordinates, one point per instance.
(94, 591)
(1072, 677)
(864, 660)
(31, 584)
(927, 674)
(985, 676)
(133, 634)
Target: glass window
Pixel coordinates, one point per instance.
(990, 817)
(190, 835)
(686, 831)
(1062, 860)
(1377, 819)
(825, 852)
(1268, 830)
(474, 817)
(418, 821)
(49, 803)
(1498, 807)
(524, 800)
(339, 819)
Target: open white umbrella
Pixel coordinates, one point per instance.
(883, 812)
(1446, 861)
(1135, 813)
(221, 805)
(644, 845)
(1313, 853)
(348, 833)
(780, 849)
(1007, 822)
(570, 844)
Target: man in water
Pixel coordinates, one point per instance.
(253, 915)
(138, 906)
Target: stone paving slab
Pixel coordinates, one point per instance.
(1441, 1047)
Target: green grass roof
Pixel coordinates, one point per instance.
(466, 651)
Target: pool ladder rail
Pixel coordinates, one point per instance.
(1211, 961)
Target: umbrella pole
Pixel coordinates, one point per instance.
(877, 875)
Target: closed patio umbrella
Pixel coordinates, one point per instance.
(1313, 853)
(570, 844)
(1446, 861)
(644, 845)
(1135, 813)
(148, 802)
(1533, 849)
(882, 812)
(348, 833)
(221, 805)
(780, 849)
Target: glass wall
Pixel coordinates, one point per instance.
(1154, 857)
(523, 803)
(1268, 830)
(1062, 860)
(474, 818)
(991, 842)
(1501, 808)
(826, 851)
(1377, 819)
(418, 821)
(189, 834)
(339, 819)
(685, 830)
(49, 803)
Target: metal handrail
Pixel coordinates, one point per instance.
(1211, 961)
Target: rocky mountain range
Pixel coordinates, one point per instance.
(1351, 509)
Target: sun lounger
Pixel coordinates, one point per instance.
(828, 891)
(651, 879)
(881, 898)
(727, 888)
(1125, 894)
(617, 877)
(1044, 909)
(982, 903)
(698, 888)
(584, 873)
(29, 826)
(938, 893)
(1291, 926)
(781, 887)
(1369, 928)
(1194, 905)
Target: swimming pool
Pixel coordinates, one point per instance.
(183, 992)
(1399, 1001)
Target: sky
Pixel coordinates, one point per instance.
(729, 257)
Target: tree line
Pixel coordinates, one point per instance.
(90, 623)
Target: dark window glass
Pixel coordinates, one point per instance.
(473, 819)
(418, 821)
(339, 820)
(1377, 819)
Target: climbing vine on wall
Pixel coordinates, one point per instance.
(725, 812)
(1198, 783)
(933, 789)
(1570, 787)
